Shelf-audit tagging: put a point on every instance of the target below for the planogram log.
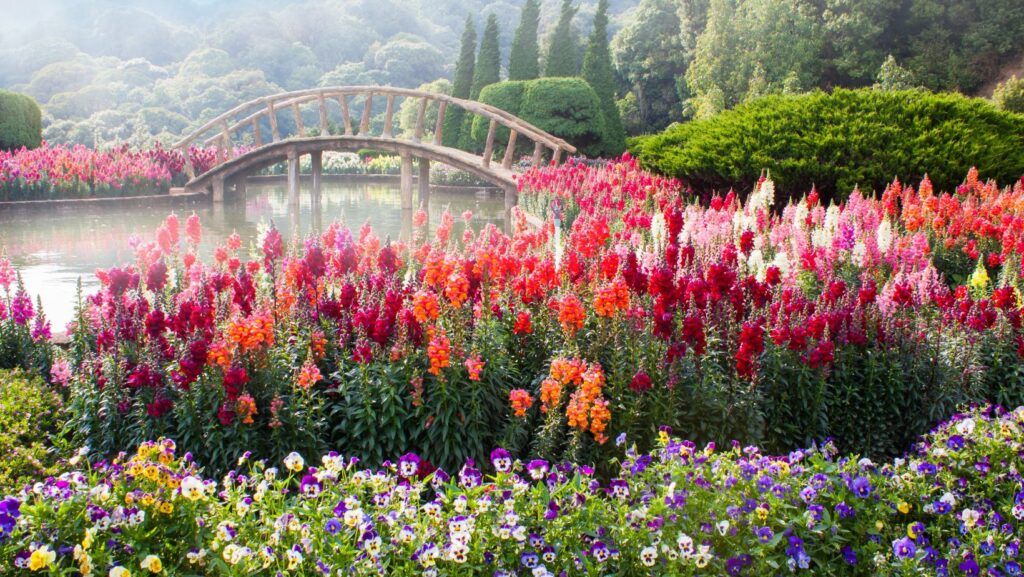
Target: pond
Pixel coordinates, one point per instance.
(56, 245)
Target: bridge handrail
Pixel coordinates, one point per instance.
(295, 98)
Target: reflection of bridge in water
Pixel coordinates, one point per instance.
(244, 125)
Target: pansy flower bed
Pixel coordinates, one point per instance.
(953, 506)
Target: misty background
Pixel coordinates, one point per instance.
(140, 71)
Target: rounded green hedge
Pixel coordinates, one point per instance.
(21, 121)
(565, 107)
(840, 140)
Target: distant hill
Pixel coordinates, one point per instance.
(108, 71)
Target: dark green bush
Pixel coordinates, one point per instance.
(841, 140)
(20, 121)
(30, 442)
(565, 107)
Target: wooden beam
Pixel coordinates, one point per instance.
(557, 156)
(325, 129)
(389, 115)
(257, 133)
(420, 118)
(505, 118)
(424, 183)
(189, 169)
(364, 125)
(300, 130)
(510, 150)
(405, 181)
(343, 101)
(226, 139)
(442, 107)
(489, 147)
(275, 131)
(538, 153)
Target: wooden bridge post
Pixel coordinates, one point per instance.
(317, 159)
(424, 183)
(293, 177)
(406, 181)
(240, 187)
(218, 189)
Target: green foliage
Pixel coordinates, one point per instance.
(20, 121)
(488, 61)
(409, 110)
(892, 76)
(598, 72)
(565, 107)
(523, 60)
(486, 72)
(30, 421)
(841, 140)
(563, 48)
(747, 50)
(568, 108)
(462, 85)
(651, 54)
(507, 96)
(1009, 95)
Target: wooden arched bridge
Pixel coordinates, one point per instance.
(239, 136)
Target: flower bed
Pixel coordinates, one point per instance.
(952, 507)
(52, 172)
(729, 320)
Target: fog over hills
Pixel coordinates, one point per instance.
(112, 70)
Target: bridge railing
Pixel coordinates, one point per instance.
(227, 130)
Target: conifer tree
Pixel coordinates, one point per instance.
(462, 85)
(562, 59)
(486, 72)
(598, 72)
(523, 60)
(488, 62)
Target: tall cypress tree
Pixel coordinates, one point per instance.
(462, 86)
(486, 72)
(523, 59)
(562, 59)
(488, 61)
(598, 72)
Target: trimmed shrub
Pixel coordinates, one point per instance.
(841, 140)
(565, 107)
(29, 425)
(20, 121)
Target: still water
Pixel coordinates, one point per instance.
(55, 246)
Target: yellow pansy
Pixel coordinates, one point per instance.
(152, 564)
(119, 572)
(41, 558)
(903, 507)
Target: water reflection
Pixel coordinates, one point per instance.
(54, 246)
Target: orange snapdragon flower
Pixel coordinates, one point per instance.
(309, 375)
(245, 408)
(457, 289)
(611, 298)
(424, 306)
(571, 314)
(521, 401)
(439, 351)
(475, 366)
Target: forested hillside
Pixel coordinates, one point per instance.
(110, 71)
(135, 70)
